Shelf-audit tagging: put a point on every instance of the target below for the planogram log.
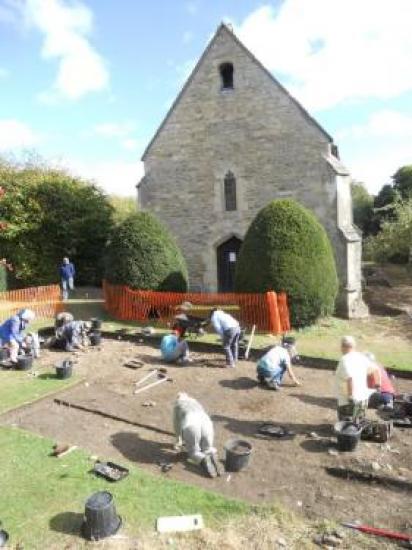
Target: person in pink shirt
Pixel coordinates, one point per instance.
(385, 392)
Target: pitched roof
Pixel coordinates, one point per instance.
(224, 28)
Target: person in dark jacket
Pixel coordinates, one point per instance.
(67, 273)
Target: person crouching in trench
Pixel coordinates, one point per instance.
(272, 367)
(174, 348)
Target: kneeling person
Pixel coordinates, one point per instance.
(384, 393)
(194, 429)
(272, 367)
(12, 332)
(73, 335)
(174, 348)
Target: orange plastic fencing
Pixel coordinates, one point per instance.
(45, 301)
(269, 311)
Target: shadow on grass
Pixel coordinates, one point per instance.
(68, 523)
(47, 376)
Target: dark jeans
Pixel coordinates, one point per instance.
(231, 345)
(380, 398)
(353, 411)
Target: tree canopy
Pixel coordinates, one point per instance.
(402, 181)
(362, 204)
(48, 214)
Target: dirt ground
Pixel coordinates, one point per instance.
(291, 472)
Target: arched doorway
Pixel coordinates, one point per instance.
(227, 255)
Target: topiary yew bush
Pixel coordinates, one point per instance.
(142, 255)
(287, 249)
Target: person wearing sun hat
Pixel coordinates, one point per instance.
(12, 331)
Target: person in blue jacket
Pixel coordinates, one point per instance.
(67, 273)
(174, 347)
(12, 331)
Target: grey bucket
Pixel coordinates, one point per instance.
(4, 354)
(100, 517)
(348, 435)
(238, 453)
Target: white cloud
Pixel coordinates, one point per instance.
(120, 131)
(381, 124)
(114, 177)
(16, 135)
(192, 7)
(114, 129)
(331, 51)
(375, 149)
(66, 27)
(376, 166)
(131, 144)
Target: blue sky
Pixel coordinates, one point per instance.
(86, 83)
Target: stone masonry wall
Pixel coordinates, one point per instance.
(258, 133)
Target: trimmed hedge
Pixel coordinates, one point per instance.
(287, 249)
(142, 255)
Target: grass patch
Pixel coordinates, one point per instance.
(43, 497)
(378, 335)
(19, 387)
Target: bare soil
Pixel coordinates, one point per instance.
(290, 471)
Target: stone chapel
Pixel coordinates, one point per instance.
(233, 140)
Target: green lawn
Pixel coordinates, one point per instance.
(42, 497)
(20, 387)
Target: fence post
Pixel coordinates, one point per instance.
(273, 313)
(284, 311)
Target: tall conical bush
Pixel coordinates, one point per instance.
(287, 249)
(142, 255)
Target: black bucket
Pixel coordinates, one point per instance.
(100, 517)
(4, 354)
(238, 453)
(64, 370)
(95, 338)
(96, 323)
(407, 404)
(24, 362)
(348, 435)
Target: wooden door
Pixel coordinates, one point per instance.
(227, 255)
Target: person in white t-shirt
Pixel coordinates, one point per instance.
(351, 379)
(229, 330)
(272, 367)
